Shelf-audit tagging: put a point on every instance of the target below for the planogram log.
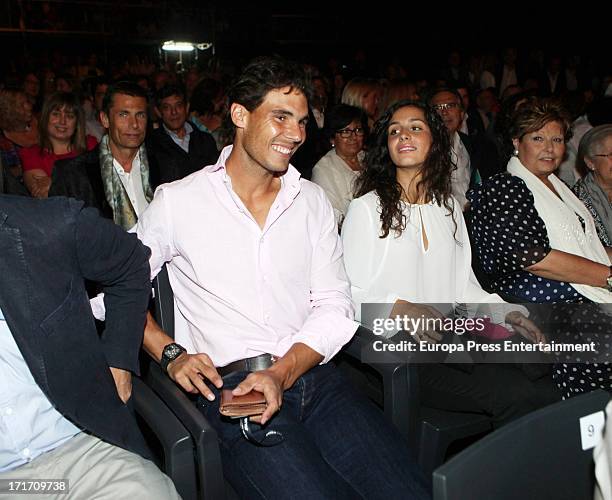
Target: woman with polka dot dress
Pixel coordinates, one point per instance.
(537, 243)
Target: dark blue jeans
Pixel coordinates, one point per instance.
(337, 445)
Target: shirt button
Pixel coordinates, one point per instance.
(261, 240)
(26, 452)
(8, 411)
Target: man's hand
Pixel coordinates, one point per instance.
(270, 384)
(123, 383)
(525, 327)
(190, 371)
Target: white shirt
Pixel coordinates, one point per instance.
(567, 170)
(241, 291)
(382, 270)
(29, 424)
(132, 183)
(319, 117)
(181, 142)
(487, 80)
(508, 78)
(337, 180)
(460, 177)
(464, 125)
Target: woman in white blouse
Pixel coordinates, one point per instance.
(406, 244)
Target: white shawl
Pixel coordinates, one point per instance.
(564, 230)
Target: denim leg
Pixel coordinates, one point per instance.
(293, 469)
(357, 441)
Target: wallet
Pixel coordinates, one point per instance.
(250, 404)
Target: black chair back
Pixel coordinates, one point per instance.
(538, 456)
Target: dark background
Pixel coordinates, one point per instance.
(415, 34)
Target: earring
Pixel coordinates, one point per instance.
(515, 153)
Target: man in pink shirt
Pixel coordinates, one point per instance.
(263, 303)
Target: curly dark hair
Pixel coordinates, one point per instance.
(380, 173)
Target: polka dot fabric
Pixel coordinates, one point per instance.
(508, 236)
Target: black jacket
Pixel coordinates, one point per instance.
(483, 154)
(48, 248)
(80, 178)
(169, 162)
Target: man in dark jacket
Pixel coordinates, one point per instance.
(113, 177)
(65, 390)
(177, 148)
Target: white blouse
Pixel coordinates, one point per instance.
(337, 180)
(384, 270)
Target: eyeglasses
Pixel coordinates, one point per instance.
(345, 133)
(606, 155)
(446, 106)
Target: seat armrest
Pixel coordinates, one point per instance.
(174, 438)
(210, 470)
(400, 384)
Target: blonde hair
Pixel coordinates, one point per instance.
(357, 89)
(9, 117)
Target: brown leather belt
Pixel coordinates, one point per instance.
(254, 364)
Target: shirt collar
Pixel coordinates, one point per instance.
(290, 179)
(188, 130)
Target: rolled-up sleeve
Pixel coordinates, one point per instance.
(330, 324)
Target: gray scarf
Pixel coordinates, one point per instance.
(599, 200)
(124, 214)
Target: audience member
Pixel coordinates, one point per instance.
(93, 125)
(61, 136)
(279, 237)
(207, 107)
(449, 105)
(404, 230)
(66, 409)
(114, 176)
(31, 87)
(18, 129)
(365, 93)
(177, 148)
(319, 99)
(535, 240)
(594, 189)
(345, 127)
(396, 91)
(508, 73)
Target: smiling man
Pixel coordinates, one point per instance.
(113, 177)
(263, 302)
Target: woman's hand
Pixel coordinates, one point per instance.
(525, 327)
(420, 331)
(41, 185)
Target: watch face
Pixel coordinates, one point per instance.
(172, 351)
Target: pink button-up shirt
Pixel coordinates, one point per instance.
(241, 291)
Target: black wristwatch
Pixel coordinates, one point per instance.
(170, 353)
